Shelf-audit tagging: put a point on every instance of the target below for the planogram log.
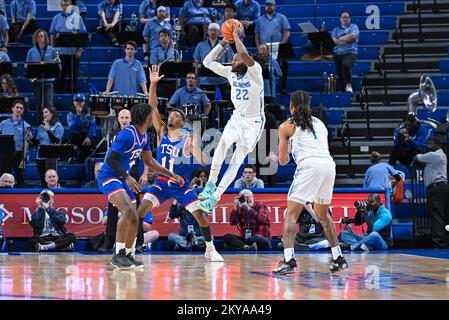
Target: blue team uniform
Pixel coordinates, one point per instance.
(171, 155)
(129, 143)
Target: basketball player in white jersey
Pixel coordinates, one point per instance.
(247, 121)
(313, 181)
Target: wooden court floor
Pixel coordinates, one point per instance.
(395, 275)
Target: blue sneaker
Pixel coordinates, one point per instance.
(208, 205)
(208, 190)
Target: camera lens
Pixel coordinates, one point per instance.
(242, 199)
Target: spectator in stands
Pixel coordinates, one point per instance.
(270, 71)
(67, 21)
(409, 140)
(4, 57)
(8, 86)
(229, 13)
(7, 180)
(49, 132)
(147, 10)
(194, 19)
(93, 184)
(4, 33)
(42, 52)
(251, 219)
(82, 127)
(199, 178)
(274, 27)
(21, 131)
(377, 176)
(23, 14)
(346, 38)
(109, 12)
(190, 95)
(435, 180)
(202, 50)
(248, 12)
(311, 234)
(378, 219)
(249, 179)
(189, 237)
(152, 30)
(52, 179)
(48, 226)
(165, 51)
(127, 74)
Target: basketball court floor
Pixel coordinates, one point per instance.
(396, 275)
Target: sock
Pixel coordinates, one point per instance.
(119, 246)
(289, 253)
(50, 246)
(207, 234)
(336, 252)
(128, 251)
(133, 247)
(210, 246)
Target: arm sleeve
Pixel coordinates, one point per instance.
(383, 221)
(53, 25)
(334, 33)
(153, 56)
(392, 171)
(100, 7)
(238, 184)
(81, 23)
(285, 24)
(142, 9)
(92, 127)
(28, 59)
(216, 67)
(143, 78)
(261, 215)
(59, 132)
(255, 73)
(32, 8)
(146, 30)
(73, 120)
(196, 54)
(257, 13)
(123, 141)
(426, 157)
(174, 100)
(355, 30)
(260, 184)
(112, 71)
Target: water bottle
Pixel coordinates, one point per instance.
(133, 22)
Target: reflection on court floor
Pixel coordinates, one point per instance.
(396, 275)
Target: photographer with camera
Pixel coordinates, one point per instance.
(48, 226)
(199, 178)
(251, 219)
(189, 237)
(378, 219)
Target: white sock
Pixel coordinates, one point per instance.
(336, 252)
(133, 247)
(119, 246)
(289, 253)
(210, 246)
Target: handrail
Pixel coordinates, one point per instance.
(347, 143)
(364, 105)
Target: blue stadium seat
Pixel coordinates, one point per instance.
(301, 68)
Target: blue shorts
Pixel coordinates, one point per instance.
(161, 191)
(111, 185)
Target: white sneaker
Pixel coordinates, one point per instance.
(213, 256)
(364, 247)
(447, 228)
(349, 88)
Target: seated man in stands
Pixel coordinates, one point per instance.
(109, 12)
(127, 74)
(249, 179)
(23, 14)
(253, 222)
(346, 38)
(7, 180)
(248, 12)
(147, 11)
(193, 17)
(82, 127)
(52, 179)
(378, 219)
(410, 139)
(152, 29)
(48, 226)
(94, 183)
(165, 51)
(190, 94)
(377, 176)
(189, 236)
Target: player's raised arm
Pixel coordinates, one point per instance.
(241, 49)
(210, 63)
(156, 167)
(159, 125)
(286, 131)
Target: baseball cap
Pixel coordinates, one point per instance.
(270, 2)
(161, 8)
(213, 26)
(79, 97)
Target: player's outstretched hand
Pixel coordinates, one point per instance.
(133, 184)
(238, 32)
(178, 179)
(154, 74)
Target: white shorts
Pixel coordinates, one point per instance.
(244, 131)
(313, 182)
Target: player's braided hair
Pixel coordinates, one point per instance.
(302, 115)
(140, 113)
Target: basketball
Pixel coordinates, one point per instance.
(227, 28)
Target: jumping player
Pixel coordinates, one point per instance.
(247, 122)
(115, 181)
(313, 181)
(174, 152)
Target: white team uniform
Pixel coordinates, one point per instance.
(248, 119)
(315, 173)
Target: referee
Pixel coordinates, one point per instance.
(435, 180)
